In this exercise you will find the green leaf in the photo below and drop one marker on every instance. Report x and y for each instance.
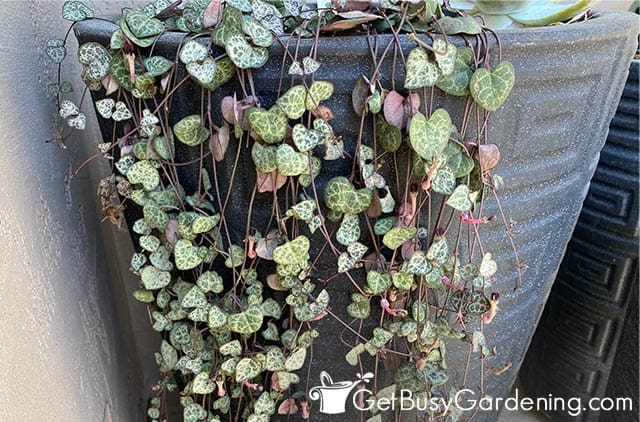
(459, 199)
(290, 162)
(169, 355)
(303, 210)
(319, 91)
(76, 11)
(195, 298)
(360, 307)
(295, 251)
(435, 374)
(203, 72)
(292, 102)
(457, 83)
(296, 360)
(418, 264)
(340, 196)
(95, 61)
(270, 125)
(438, 251)
(429, 137)
(243, 54)
(56, 50)
(210, 281)
(389, 137)
(305, 139)
(380, 337)
(402, 280)
(271, 308)
(202, 384)
(352, 355)
(217, 318)
(345, 262)
(444, 181)
(459, 25)
(204, 224)
(377, 282)
(420, 72)
(349, 230)
(275, 360)
(193, 412)
(246, 322)
(488, 267)
(186, 255)
(144, 296)
(264, 157)
(357, 250)
(192, 51)
(445, 55)
(235, 258)
(383, 225)
(394, 238)
(264, 406)
(155, 217)
(190, 130)
(152, 278)
(260, 35)
(157, 65)
(489, 88)
(247, 368)
(232, 348)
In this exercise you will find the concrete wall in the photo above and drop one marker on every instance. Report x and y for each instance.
(66, 342)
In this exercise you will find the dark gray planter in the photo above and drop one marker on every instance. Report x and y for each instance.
(588, 334)
(569, 79)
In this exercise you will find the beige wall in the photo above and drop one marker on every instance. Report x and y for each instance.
(66, 349)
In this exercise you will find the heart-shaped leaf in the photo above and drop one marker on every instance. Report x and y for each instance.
(389, 137)
(217, 318)
(202, 384)
(157, 65)
(56, 50)
(246, 322)
(459, 25)
(145, 173)
(444, 181)
(397, 236)
(243, 54)
(140, 28)
(105, 107)
(445, 55)
(263, 407)
(190, 130)
(290, 162)
(95, 60)
(152, 278)
(260, 35)
(305, 139)
(488, 267)
(402, 280)
(340, 196)
(310, 65)
(294, 251)
(293, 102)
(349, 230)
(264, 157)
(149, 243)
(377, 282)
(420, 72)
(429, 137)
(295, 361)
(275, 360)
(210, 281)
(457, 83)
(76, 11)
(203, 72)
(192, 51)
(268, 15)
(270, 125)
(357, 250)
(438, 251)
(489, 88)
(360, 307)
(121, 113)
(160, 258)
(186, 255)
(225, 70)
(459, 199)
(345, 262)
(319, 91)
(195, 298)
(418, 264)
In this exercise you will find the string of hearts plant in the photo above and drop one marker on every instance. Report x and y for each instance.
(238, 312)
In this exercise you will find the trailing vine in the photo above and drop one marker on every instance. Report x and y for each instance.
(238, 299)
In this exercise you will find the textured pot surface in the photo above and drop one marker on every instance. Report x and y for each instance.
(569, 79)
(582, 337)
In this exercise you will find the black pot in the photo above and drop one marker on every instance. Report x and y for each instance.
(569, 79)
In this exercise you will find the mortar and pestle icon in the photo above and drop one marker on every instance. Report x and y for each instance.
(333, 396)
